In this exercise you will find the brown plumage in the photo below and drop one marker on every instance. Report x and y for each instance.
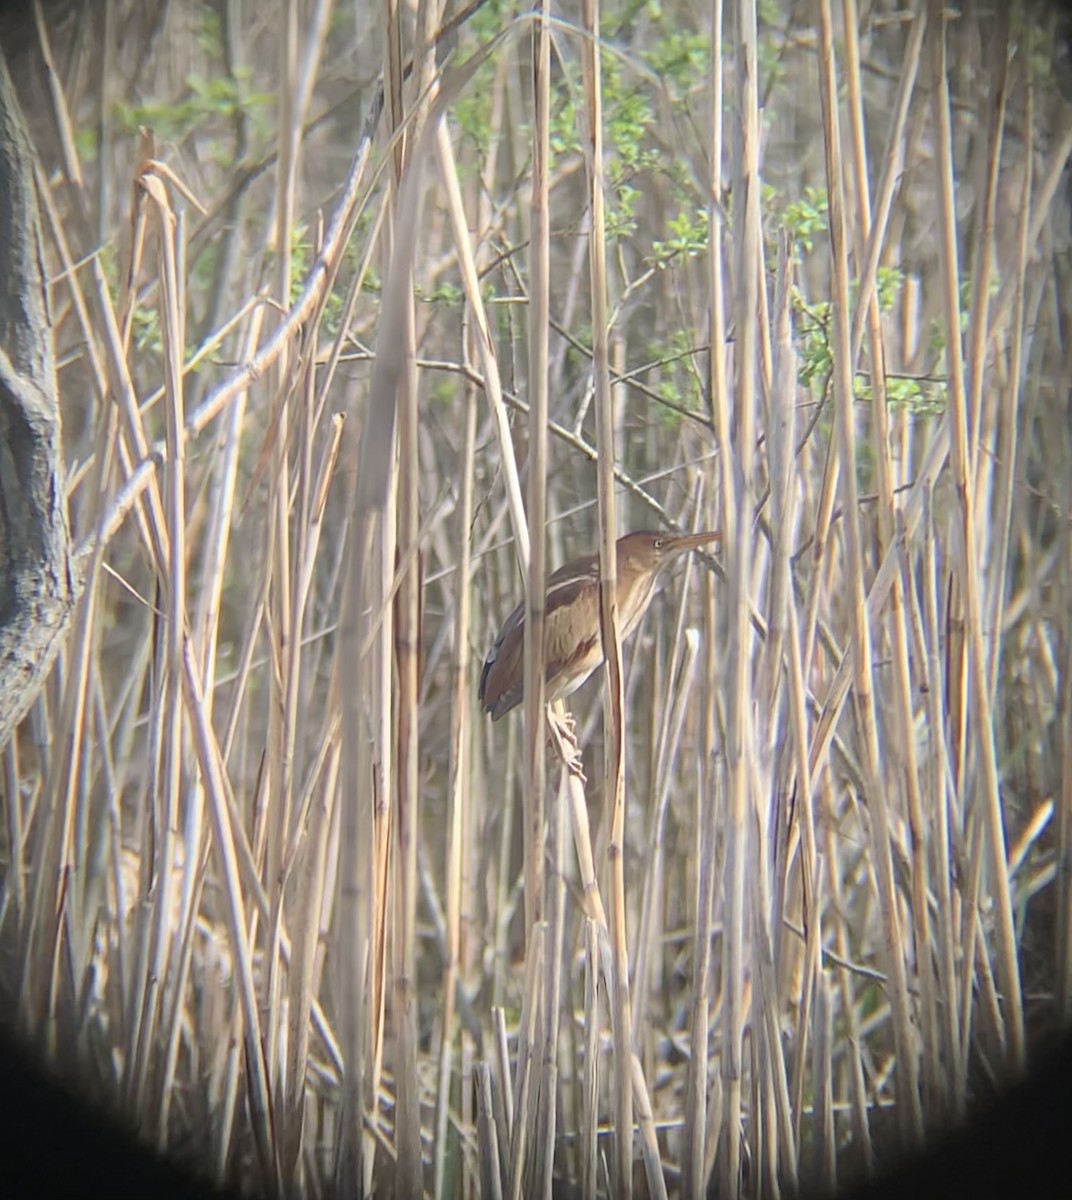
(572, 645)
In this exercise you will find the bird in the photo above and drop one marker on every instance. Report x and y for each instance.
(572, 644)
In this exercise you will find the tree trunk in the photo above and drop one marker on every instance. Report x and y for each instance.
(36, 581)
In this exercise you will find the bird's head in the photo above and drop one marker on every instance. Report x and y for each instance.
(648, 550)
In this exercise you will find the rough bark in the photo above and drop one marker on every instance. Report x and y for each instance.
(36, 582)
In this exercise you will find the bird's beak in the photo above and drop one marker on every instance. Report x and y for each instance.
(692, 541)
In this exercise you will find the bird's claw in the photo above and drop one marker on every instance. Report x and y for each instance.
(575, 766)
(564, 732)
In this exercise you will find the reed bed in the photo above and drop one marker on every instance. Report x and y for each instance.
(384, 313)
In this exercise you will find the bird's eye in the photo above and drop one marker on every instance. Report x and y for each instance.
(660, 543)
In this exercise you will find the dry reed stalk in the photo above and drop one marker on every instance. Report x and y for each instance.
(675, 709)
(171, 241)
(858, 1092)
(56, 848)
(941, 815)
(227, 863)
(930, 468)
(781, 440)
(908, 1107)
(361, 873)
(493, 393)
(373, 526)
(1010, 408)
(589, 1108)
(591, 899)
(305, 922)
(649, 1142)
(536, 499)
(877, 236)
(544, 1148)
(775, 1150)
(504, 1097)
(613, 716)
(968, 561)
(281, 635)
(526, 1079)
(492, 380)
(311, 297)
(896, 623)
(695, 1167)
(738, 488)
(490, 1179)
(983, 264)
(775, 1147)
(158, 1005)
(59, 850)
(283, 642)
(544, 898)
(1044, 198)
(409, 1177)
(825, 1153)
(459, 803)
(694, 1152)
(798, 979)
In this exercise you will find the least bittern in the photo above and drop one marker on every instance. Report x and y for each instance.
(572, 645)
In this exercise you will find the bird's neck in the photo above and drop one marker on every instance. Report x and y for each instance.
(634, 602)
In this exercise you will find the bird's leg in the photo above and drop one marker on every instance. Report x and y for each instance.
(563, 733)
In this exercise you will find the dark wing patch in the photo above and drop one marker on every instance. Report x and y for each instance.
(565, 587)
(567, 583)
(572, 607)
(503, 662)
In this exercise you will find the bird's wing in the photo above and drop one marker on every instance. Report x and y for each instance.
(502, 679)
(572, 606)
(502, 664)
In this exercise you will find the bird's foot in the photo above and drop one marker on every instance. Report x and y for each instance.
(563, 731)
(575, 766)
